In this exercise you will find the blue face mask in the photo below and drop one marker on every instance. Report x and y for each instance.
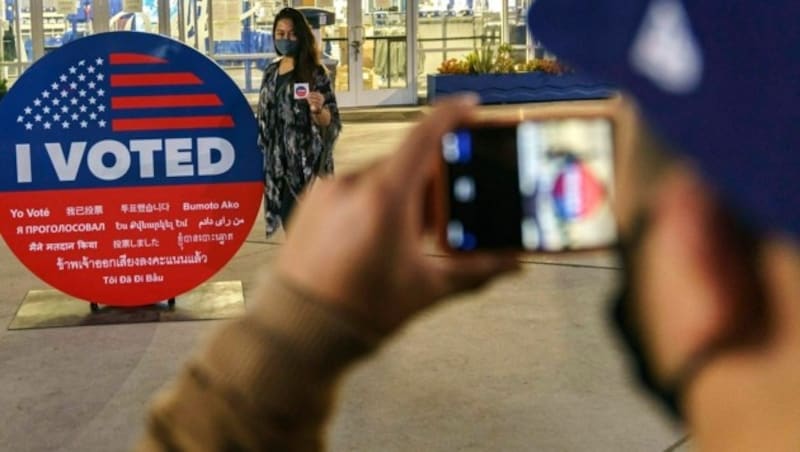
(286, 46)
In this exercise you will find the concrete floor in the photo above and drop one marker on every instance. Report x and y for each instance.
(528, 364)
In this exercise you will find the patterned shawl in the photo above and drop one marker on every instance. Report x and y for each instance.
(295, 149)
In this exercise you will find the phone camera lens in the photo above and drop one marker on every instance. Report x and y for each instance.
(455, 234)
(450, 148)
(464, 189)
(456, 147)
(458, 238)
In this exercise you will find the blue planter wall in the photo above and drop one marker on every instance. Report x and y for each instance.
(520, 87)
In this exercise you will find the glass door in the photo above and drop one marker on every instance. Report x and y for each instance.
(371, 46)
(14, 53)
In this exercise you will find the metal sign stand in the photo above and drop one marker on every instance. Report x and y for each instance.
(51, 308)
(95, 307)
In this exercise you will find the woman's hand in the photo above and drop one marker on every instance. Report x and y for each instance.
(315, 101)
(319, 114)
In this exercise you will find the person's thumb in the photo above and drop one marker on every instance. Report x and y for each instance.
(456, 274)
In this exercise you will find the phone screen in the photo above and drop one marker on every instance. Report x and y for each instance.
(535, 185)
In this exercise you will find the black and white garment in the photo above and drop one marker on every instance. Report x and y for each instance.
(296, 150)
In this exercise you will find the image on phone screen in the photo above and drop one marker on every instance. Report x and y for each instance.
(535, 185)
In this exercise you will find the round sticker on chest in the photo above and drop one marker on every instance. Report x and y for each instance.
(300, 90)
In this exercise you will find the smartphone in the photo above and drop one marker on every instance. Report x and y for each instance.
(543, 184)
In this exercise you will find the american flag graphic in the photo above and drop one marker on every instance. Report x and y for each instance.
(124, 92)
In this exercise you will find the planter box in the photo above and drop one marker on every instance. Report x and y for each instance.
(519, 88)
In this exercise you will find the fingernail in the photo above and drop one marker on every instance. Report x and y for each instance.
(469, 99)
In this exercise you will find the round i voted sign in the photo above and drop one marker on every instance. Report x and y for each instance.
(129, 171)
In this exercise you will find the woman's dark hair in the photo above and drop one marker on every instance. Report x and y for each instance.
(307, 58)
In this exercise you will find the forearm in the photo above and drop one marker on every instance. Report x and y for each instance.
(323, 118)
(264, 382)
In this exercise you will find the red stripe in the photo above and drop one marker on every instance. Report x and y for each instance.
(134, 58)
(178, 100)
(157, 79)
(172, 123)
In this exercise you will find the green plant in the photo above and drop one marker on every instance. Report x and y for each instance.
(453, 66)
(504, 62)
(553, 67)
(481, 61)
(499, 60)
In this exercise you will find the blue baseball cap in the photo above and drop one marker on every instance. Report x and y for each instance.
(719, 80)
